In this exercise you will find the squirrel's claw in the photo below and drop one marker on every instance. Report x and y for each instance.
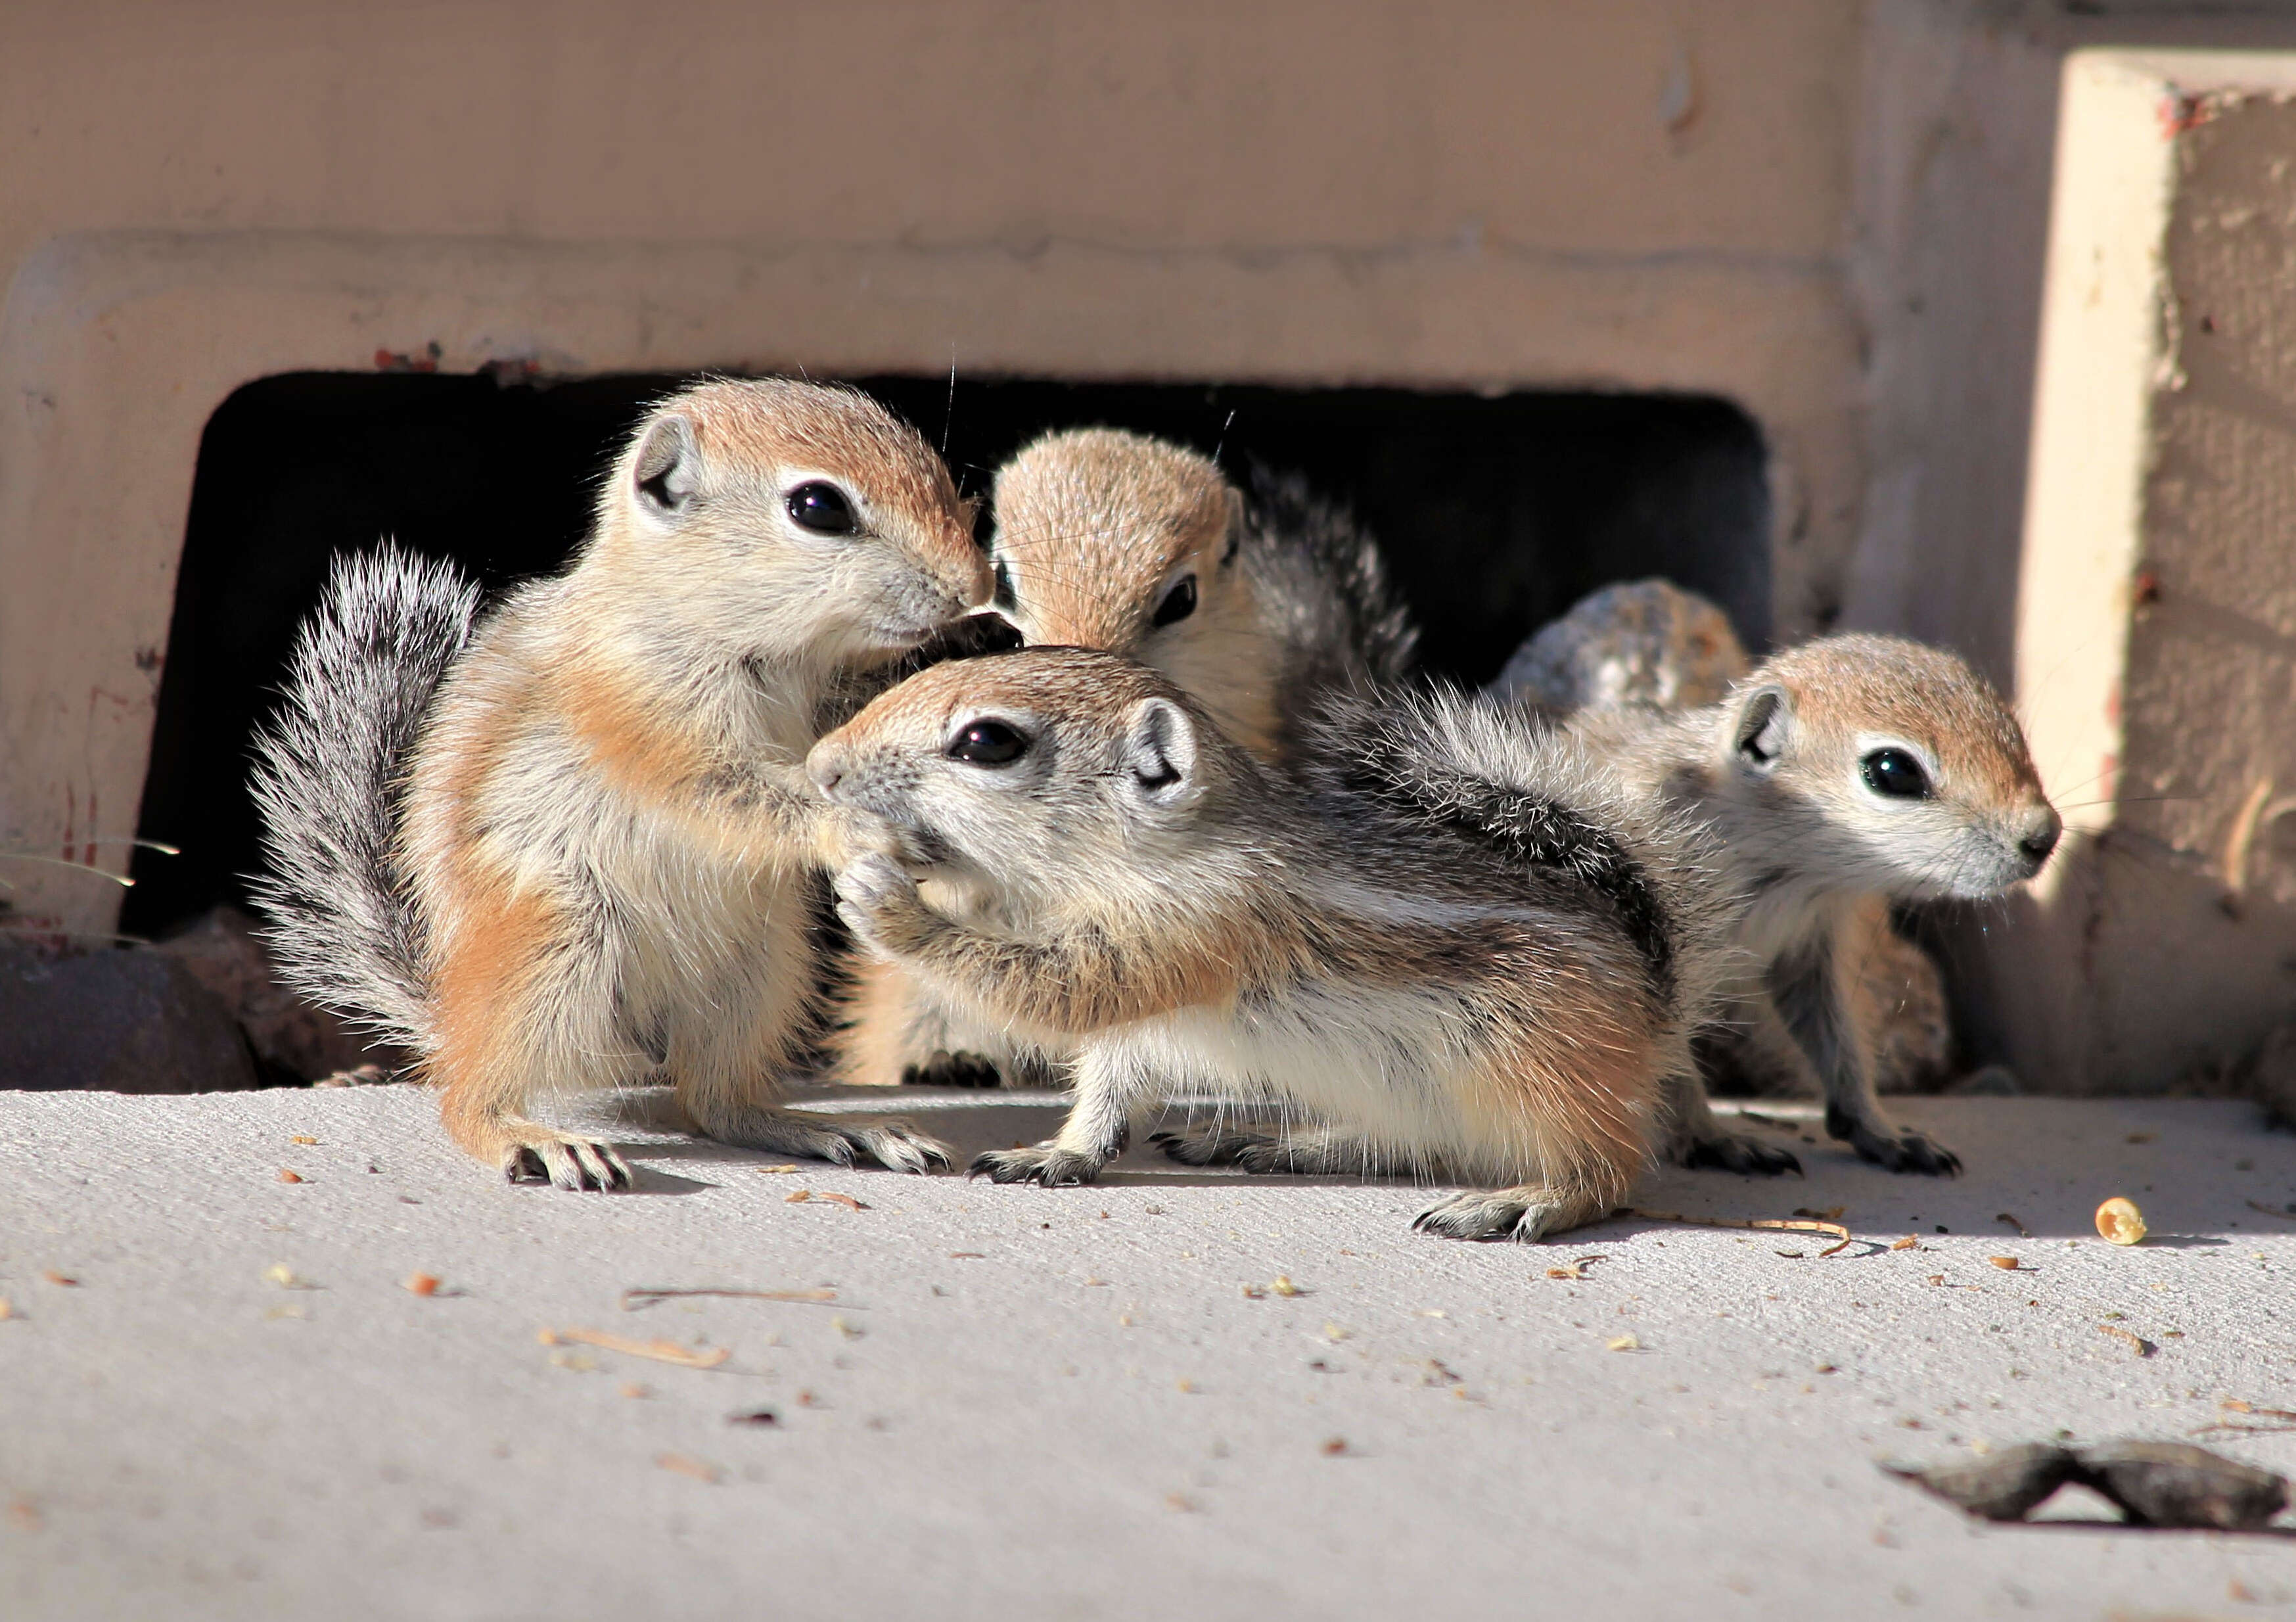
(1042, 1164)
(568, 1162)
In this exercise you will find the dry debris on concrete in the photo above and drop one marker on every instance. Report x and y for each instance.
(1095, 1402)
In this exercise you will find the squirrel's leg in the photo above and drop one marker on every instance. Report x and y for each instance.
(891, 1031)
(1065, 984)
(1811, 993)
(524, 1004)
(1901, 1003)
(1112, 1084)
(1587, 1186)
(1697, 1140)
(727, 1062)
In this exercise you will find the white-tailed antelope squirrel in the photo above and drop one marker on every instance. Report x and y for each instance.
(1498, 991)
(1652, 642)
(588, 859)
(1131, 544)
(1840, 776)
(1634, 641)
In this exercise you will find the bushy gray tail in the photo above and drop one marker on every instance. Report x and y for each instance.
(1313, 558)
(329, 776)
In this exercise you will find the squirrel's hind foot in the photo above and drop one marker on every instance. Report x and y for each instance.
(1263, 1153)
(566, 1161)
(1311, 1152)
(1209, 1145)
(944, 1069)
(840, 1140)
(1893, 1148)
(1526, 1214)
(1741, 1152)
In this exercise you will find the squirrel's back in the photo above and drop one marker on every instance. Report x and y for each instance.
(1515, 787)
(1323, 589)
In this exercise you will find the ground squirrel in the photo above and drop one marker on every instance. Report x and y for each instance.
(592, 862)
(1839, 776)
(1486, 975)
(1650, 641)
(1634, 641)
(1118, 540)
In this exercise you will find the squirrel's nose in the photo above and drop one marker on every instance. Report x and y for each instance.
(2040, 834)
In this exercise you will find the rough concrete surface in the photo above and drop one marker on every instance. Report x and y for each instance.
(1032, 1404)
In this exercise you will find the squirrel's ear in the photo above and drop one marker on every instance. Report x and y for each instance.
(668, 466)
(1236, 519)
(1758, 730)
(1159, 751)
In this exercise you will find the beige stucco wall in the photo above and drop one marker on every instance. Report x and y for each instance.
(1182, 126)
(2018, 169)
(2158, 609)
(1619, 192)
(1839, 216)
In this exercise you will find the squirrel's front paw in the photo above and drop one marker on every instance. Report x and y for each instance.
(1045, 1163)
(869, 889)
(843, 836)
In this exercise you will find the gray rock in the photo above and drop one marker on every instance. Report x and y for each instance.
(1990, 1081)
(2156, 1484)
(224, 954)
(2174, 1483)
(2003, 1485)
(115, 1021)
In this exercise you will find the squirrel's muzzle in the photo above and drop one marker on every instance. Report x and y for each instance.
(2038, 835)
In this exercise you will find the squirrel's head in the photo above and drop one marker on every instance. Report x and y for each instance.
(1113, 540)
(793, 519)
(1890, 765)
(1042, 771)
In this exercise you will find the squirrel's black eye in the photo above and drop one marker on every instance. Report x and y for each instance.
(988, 743)
(822, 509)
(1178, 603)
(1894, 772)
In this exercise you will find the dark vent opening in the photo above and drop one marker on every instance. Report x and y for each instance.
(1496, 513)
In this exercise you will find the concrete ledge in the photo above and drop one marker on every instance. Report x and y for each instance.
(1065, 1404)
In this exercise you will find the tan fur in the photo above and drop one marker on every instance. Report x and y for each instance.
(1093, 527)
(1816, 853)
(1167, 909)
(606, 834)
(648, 757)
(1650, 643)
(482, 989)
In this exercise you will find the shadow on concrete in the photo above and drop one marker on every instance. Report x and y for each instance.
(2035, 1170)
